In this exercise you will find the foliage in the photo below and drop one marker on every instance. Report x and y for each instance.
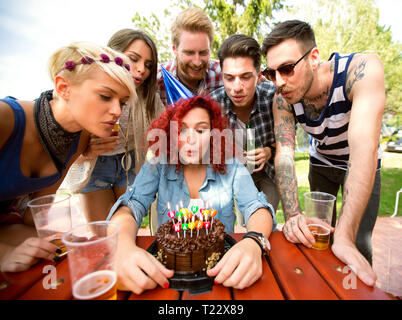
(340, 25)
(353, 26)
(158, 32)
(250, 17)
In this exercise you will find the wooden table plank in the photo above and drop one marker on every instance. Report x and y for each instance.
(158, 293)
(345, 284)
(62, 291)
(298, 278)
(265, 288)
(12, 285)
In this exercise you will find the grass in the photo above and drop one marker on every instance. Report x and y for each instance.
(391, 177)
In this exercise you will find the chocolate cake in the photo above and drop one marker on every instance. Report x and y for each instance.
(188, 254)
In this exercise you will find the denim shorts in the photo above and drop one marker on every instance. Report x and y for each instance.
(108, 173)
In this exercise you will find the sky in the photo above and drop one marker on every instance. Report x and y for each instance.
(31, 30)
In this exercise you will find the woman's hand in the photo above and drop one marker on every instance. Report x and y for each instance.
(28, 253)
(240, 267)
(138, 270)
(97, 146)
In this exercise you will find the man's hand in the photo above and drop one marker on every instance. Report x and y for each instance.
(240, 267)
(348, 254)
(296, 230)
(258, 157)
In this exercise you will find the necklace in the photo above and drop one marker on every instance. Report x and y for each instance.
(126, 160)
(56, 141)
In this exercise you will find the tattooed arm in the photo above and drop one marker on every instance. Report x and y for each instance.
(284, 160)
(365, 88)
(295, 228)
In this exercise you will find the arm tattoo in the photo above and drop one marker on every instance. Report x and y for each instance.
(283, 105)
(358, 74)
(285, 132)
(287, 184)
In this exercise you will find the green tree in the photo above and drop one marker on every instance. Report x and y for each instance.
(250, 17)
(353, 26)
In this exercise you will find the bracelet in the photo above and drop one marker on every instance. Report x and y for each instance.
(246, 236)
(258, 238)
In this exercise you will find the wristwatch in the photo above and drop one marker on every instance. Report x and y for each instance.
(261, 240)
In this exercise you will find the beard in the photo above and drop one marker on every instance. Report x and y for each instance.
(185, 70)
(297, 94)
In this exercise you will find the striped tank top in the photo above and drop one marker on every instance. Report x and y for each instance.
(329, 133)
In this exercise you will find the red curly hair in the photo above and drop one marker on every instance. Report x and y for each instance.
(219, 147)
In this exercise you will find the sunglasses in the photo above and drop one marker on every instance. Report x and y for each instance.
(286, 70)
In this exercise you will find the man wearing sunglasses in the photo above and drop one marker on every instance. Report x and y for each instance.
(248, 103)
(340, 103)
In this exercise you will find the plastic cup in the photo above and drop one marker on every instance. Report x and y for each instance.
(91, 258)
(319, 208)
(52, 217)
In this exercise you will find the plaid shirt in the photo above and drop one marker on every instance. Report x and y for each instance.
(261, 117)
(212, 79)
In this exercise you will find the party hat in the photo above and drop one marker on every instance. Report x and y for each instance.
(175, 90)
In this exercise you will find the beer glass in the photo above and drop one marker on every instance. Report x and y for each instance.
(92, 248)
(52, 217)
(319, 207)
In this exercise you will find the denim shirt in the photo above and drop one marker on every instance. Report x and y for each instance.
(171, 187)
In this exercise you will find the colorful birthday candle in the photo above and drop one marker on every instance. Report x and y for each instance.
(184, 227)
(213, 213)
(194, 209)
(206, 225)
(199, 225)
(191, 226)
(177, 228)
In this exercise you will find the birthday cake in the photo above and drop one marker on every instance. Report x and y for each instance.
(193, 247)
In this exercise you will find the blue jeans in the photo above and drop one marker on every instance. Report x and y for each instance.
(329, 180)
(108, 173)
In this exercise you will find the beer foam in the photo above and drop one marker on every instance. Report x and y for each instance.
(326, 230)
(103, 279)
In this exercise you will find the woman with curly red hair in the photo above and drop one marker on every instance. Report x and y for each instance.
(194, 163)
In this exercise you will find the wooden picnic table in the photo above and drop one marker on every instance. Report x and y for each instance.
(291, 272)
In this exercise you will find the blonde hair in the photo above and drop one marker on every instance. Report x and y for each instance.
(193, 20)
(78, 50)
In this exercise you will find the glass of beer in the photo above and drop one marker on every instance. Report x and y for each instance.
(321, 236)
(115, 130)
(52, 217)
(319, 207)
(92, 248)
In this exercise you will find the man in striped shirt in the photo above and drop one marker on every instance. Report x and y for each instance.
(340, 103)
(248, 106)
(192, 37)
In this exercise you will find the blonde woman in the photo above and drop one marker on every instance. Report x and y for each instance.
(119, 158)
(40, 139)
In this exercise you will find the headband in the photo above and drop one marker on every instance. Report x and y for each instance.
(70, 65)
